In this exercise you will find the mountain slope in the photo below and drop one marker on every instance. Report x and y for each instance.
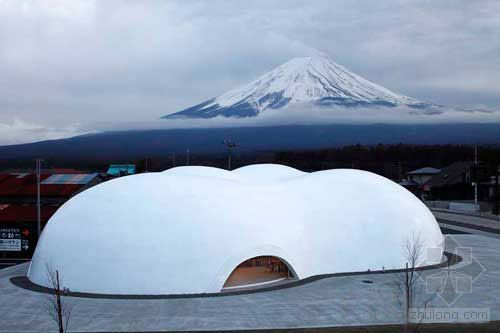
(316, 80)
(127, 146)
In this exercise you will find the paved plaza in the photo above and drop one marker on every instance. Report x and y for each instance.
(335, 301)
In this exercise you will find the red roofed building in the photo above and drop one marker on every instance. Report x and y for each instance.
(22, 213)
(54, 188)
(18, 210)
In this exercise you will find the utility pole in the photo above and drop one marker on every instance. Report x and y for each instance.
(475, 175)
(230, 144)
(400, 171)
(187, 156)
(173, 160)
(38, 208)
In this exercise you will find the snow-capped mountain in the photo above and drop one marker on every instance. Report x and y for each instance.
(316, 80)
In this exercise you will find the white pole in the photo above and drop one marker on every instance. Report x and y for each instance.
(38, 209)
(475, 174)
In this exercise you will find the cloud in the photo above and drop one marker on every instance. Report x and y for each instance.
(308, 114)
(65, 63)
(19, 131)
(479, 80)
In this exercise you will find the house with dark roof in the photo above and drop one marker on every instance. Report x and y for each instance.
(422, 175)
(454, 182)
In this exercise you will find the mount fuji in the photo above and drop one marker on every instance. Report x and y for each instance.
(315, 80)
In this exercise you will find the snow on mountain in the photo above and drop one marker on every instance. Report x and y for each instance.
(315, 79)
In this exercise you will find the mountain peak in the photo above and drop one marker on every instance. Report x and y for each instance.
(313, 79)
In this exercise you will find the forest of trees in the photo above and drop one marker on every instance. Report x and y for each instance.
(391, 161)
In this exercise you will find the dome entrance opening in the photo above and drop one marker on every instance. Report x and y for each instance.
(259, 272)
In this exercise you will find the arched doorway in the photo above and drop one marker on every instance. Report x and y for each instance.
(258, 272)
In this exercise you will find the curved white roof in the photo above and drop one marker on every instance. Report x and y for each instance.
(185, 230)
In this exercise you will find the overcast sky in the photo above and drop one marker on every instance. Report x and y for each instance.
(69, 66)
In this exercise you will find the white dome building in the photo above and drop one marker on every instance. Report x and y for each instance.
(185, 230)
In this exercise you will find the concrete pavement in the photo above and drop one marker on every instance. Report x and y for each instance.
(336, 301)
(477, 222)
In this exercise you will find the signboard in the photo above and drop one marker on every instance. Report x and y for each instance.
(11, 239)
(10, 244)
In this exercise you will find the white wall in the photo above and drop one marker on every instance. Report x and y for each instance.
(186, 229)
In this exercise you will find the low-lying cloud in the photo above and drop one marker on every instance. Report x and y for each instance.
(18, 131)
(295, 115)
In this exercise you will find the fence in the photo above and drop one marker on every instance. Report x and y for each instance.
(461, 207)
